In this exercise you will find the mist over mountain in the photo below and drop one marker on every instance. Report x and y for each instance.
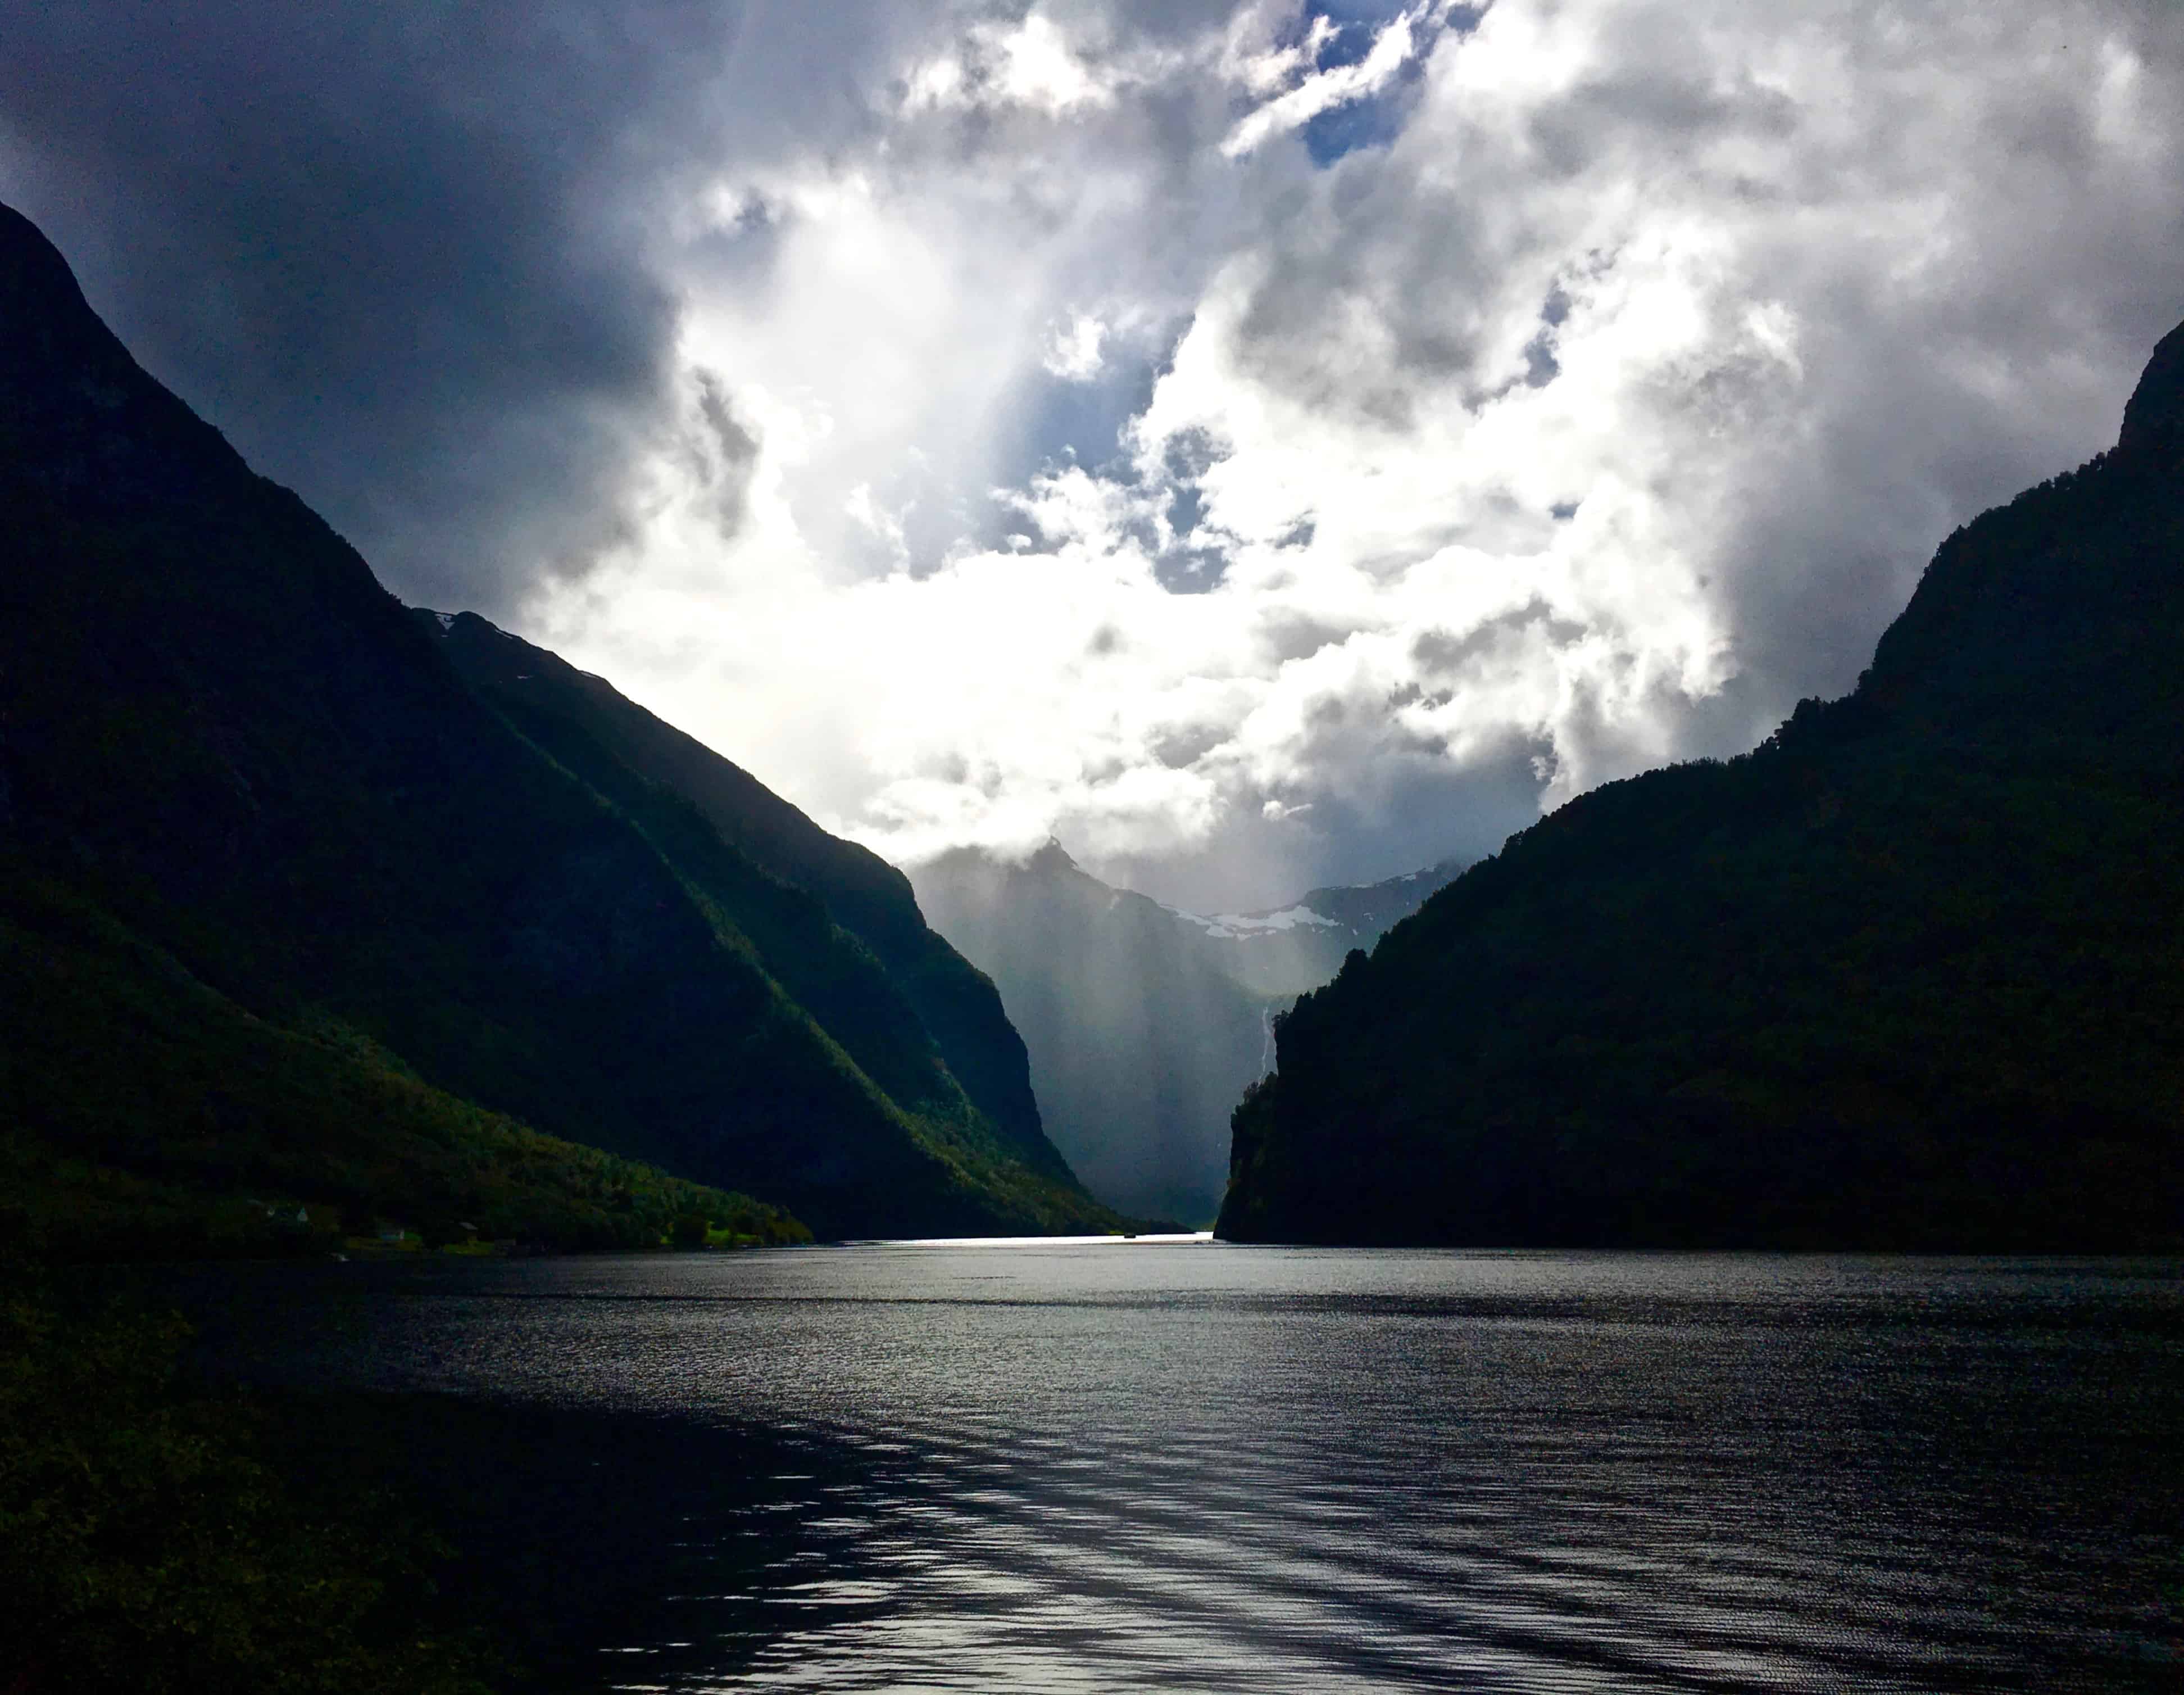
(1908, 975)
(250, 775)
(1144, 1022)
(1285, 951)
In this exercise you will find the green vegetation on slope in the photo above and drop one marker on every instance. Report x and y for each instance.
(616, 741)
(825, 967)
(831, 984)
(144, 1115)
(1911, 975)
(219, 729)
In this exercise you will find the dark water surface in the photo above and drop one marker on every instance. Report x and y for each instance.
(1116, 1467)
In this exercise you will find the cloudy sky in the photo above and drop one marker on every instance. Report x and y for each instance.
(1263, 445)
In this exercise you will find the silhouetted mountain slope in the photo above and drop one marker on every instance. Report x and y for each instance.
(1911, 974)
(600, 733)
(218, 726)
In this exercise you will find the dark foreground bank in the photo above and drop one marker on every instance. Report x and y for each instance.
(164, 1528)
(161, 1534)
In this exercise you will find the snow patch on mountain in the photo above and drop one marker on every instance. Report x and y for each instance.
(1231, 926)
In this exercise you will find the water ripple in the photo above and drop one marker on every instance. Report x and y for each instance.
(1093, 1467)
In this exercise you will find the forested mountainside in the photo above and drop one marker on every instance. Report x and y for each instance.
(220, 737)
(1144, 1022)
(148, 1115)
(1909, 975)
(620, 749)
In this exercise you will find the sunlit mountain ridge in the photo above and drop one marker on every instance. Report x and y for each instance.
(259, 779)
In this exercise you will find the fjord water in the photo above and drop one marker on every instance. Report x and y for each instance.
(1131, 1466)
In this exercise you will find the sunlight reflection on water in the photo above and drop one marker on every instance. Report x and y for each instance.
(1095, 1466)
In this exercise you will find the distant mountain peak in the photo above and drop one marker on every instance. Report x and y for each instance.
(1227, 924)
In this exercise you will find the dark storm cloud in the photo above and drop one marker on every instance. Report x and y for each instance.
(400, 254)
(726, 454)
(1440, 655)
(1685, 329)
(423, 263)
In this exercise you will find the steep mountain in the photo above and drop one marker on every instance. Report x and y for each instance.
(615, 744)
(1286, 950)
(1143, 1022)
(1138, 1040)
(219, 732)
(1909, 975)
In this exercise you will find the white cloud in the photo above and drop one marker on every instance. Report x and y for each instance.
(1073, 354)
(1039, 68)
(1608, 407)
(1032, 63)
(1319, 91)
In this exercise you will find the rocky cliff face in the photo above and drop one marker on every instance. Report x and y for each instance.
(1908, 976)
